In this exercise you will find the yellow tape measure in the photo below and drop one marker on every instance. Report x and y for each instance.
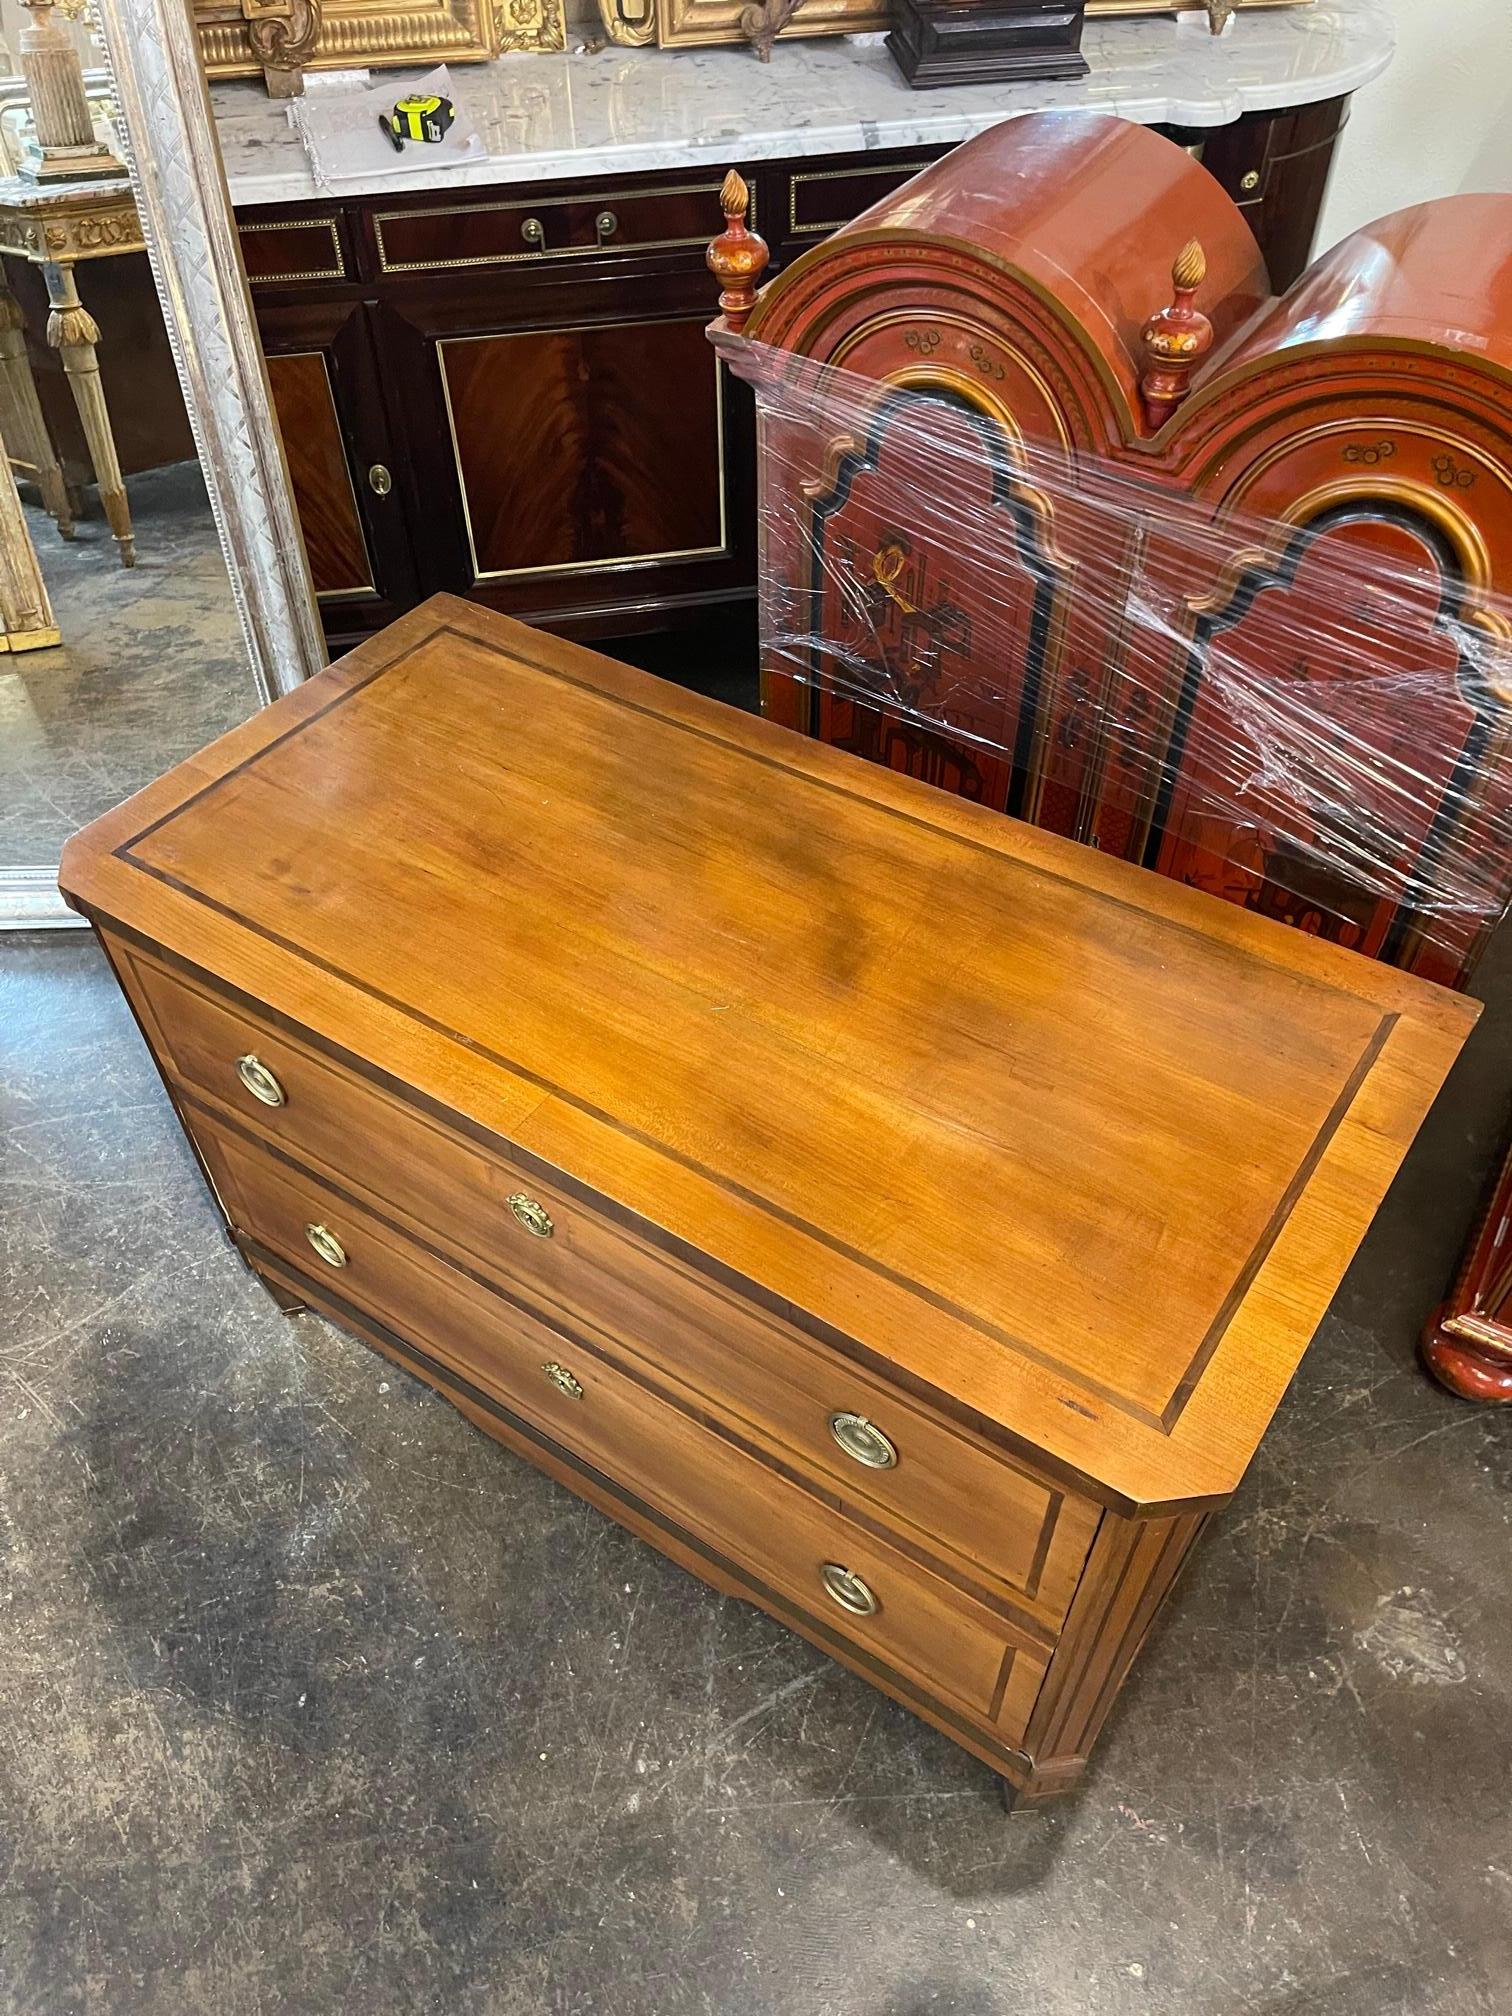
(419, 118)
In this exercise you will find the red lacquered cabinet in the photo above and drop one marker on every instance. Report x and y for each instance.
(934, 600)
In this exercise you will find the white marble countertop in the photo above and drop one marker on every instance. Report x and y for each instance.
(625, 111)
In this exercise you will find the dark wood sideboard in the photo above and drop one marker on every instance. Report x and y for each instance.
(507, 392)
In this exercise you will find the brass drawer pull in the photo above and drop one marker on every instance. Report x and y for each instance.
(380, 482)
(863, 1441)
(848, 1590)
(605, 224)
(563, 1380)
(327, 1245)
(534, 1217)
(259, 1080)
(533, 231)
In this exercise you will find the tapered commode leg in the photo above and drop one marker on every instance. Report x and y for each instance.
(22, 417)
(73, 333)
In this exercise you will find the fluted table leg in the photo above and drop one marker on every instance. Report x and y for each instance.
(73, 333)
(26, 616)
(23, 419)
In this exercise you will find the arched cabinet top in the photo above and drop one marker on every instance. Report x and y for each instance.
(1085, 211)
(1438, 275)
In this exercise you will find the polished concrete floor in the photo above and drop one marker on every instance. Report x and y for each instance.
(150, 669)
(312, 1699)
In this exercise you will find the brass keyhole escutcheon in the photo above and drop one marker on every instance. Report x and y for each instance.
(1250, 179)
(259, 1080)
(863, 1441)
(327, 1245)
(534, 1217)
(848, 1590)
(563, 1380)
(380, 482)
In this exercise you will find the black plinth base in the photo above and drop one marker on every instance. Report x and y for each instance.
(986, 41)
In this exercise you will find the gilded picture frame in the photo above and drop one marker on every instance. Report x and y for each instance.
(677, 24)
(247, 38)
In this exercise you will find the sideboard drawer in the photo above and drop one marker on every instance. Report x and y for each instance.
(544, 229)
(865, 1440)
(923, 1627)
(284, 250)
(820, 200)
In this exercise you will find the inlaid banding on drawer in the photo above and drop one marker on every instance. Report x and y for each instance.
(1012, 1529)
(922, 1625)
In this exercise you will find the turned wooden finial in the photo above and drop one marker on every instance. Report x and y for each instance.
(737, 257)
(1175, 339)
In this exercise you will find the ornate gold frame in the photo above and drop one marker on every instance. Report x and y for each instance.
(675, 24)
(245, 38)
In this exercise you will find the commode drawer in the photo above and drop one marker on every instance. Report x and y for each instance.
(844, 1576)
(809, 1405)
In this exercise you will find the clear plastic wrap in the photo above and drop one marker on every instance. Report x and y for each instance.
(1309, 718)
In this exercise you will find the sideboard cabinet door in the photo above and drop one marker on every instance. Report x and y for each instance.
(317, 340)
(593, 466)
(580, 456)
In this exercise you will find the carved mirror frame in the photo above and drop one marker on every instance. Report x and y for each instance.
(185, 211)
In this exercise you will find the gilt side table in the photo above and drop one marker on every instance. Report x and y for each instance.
(56, 226)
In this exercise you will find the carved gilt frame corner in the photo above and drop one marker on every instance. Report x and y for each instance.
(185, 212)
(341, 33)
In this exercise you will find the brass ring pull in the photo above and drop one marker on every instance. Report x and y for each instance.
(863, 1441)
(533, 231)
(380, 482)
(605, 224)
(534, 1217)
(848, 1590)
(563, 1380)
(259, 1080)
(327, 1245)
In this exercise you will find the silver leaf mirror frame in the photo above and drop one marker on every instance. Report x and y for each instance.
(185, 210)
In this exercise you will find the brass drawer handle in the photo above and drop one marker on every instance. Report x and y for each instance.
(327, 1245)
(259, 1080)
(863, 1441)
(848, 1590)
(563, 1380)
(534, 1217)
(605, 224)
(533, 231)
(380, 482)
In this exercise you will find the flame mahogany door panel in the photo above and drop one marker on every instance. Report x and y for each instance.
(346, 474)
